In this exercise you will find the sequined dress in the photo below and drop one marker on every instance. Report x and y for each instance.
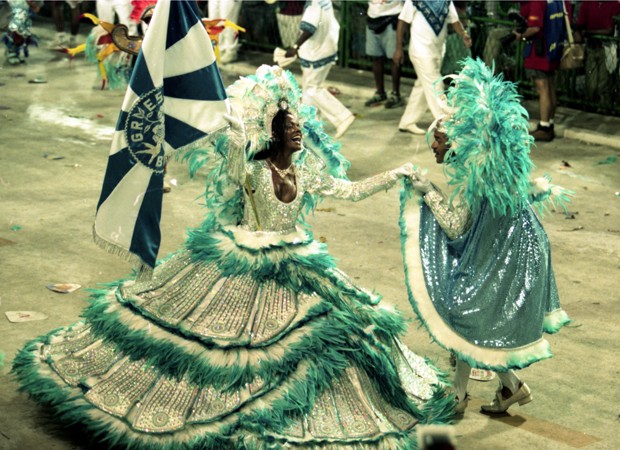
(482, 284)
(246, 338)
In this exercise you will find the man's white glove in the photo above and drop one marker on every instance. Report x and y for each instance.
(406, 170)
(421, 184)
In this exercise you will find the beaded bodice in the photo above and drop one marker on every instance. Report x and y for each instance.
(273, 214)
(277, 216)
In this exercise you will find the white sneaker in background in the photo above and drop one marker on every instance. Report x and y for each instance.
(413, 129)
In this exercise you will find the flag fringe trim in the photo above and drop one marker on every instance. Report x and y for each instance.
(117, 250)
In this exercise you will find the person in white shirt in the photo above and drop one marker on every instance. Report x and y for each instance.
(106, 9)
(429, 29)
(317, 49)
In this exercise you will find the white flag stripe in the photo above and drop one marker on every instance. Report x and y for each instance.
(129, 100)
(115, 224)
(168, 149)
(196, 43)
(119, 142)
(193, 113)
(154, 44)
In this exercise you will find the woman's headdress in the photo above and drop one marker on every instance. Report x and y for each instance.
(490, 143)
(259, 97)
(255, 100)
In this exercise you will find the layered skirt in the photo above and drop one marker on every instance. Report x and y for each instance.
(242, 340)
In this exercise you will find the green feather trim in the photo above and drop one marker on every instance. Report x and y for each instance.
(545, 195)
(90, 49)
(71, 408)
(555, 320)
(295, 400)
(117, 71)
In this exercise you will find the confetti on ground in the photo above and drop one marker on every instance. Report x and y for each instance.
(24, 316)
(609, 160)
(52, 157)
(481, 375)
(63, 288)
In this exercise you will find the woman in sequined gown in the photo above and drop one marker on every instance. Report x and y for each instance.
(249, 337)
(488, 292)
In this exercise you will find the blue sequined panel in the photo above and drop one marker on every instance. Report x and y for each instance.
(494, 284)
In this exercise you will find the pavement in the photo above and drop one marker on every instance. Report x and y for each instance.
(55, 139)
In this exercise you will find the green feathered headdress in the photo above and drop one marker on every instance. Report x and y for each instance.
(490, 143)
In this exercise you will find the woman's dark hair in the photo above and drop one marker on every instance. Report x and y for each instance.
(278, 125)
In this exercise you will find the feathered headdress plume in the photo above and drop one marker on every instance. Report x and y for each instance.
(490, 143)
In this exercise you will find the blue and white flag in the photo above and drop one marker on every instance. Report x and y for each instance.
(175, 97)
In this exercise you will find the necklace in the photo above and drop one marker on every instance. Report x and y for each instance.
(282, 173)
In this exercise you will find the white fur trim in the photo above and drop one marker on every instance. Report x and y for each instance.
(438, 328)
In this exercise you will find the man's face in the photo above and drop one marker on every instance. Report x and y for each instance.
(440, 146)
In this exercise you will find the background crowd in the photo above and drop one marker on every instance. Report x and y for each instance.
(515, 38)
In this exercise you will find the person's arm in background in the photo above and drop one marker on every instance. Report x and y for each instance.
(309, 22)
(534, 22)
(404, 20)
(460, 30)
(303, 37)
(457, 26)
(399, 55)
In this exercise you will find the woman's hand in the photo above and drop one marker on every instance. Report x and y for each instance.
(406, 170)
(236, 124)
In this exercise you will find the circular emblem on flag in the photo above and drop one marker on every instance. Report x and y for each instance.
(144, 130)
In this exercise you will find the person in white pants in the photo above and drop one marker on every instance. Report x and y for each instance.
(317, 49)
(429, 29)
(107, 8)
(229, 42)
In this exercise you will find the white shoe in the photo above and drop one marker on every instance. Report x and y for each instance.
(344, 126)
(413, 129)
(501, 404)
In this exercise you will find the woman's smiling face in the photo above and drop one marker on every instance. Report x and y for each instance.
(292, 133)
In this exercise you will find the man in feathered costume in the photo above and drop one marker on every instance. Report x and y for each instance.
(489, 290)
